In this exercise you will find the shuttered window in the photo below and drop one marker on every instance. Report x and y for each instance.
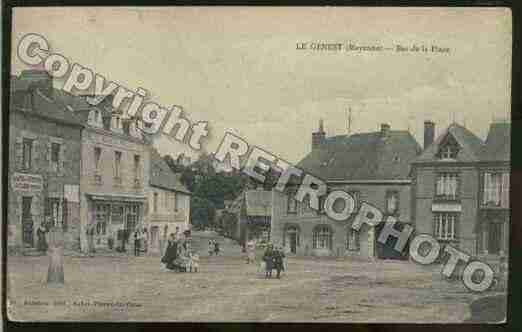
(495, 189)
(27, 153)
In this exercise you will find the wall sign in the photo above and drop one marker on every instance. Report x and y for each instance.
(27, 182)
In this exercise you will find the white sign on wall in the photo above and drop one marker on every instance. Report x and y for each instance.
(27, 182)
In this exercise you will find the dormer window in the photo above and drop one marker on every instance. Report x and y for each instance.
(448, 153)
(95, 119)
(449, 149)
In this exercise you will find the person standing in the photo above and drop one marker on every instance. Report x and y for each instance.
(163, 240)
(42, 241)
(210, 247)
(90, 239)
(194, 261)
(251, 251)
(268, 258)
(216, 247)
(171, 253)
(278, 261)
(137, 240)
(177, 234)
(145, 240)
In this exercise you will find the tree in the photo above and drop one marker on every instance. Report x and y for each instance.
(202, 212)
(229, 223)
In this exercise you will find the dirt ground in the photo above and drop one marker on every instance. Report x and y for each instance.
(227, 289)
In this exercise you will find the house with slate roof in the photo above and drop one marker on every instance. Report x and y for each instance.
(168, 203)
(44, 163)
(460, 190)
(493, 222)
(253, 211)
(373, 167)
(72, 164)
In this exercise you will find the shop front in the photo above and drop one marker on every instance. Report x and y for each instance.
(115, 218)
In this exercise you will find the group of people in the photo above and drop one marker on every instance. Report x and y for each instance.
(179, 255)
(274, 258)
(213, 247)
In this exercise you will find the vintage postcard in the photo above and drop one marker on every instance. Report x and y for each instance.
(253, 164)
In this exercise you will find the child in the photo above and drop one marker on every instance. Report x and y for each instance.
(194, 262)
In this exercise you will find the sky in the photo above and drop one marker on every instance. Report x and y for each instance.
(239, 68)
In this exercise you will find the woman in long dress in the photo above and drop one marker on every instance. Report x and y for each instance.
(251, 251)
(171, 253)
(268, 257)
(42, 242)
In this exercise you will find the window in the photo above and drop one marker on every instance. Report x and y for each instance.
(447, 185)
(116, 214)
(132, 213)
(102, 216)
(496, 189)
(155, 203)
(448, 152)
(392, 202)
(54, 212)
(449, 148)
(352, 240)
(322, 238)
(27, 153)
(117, 166)
(291, 204)
(306, 205)
(55, 156)
(445, 226)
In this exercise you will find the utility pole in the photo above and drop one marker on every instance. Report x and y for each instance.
(349, 121)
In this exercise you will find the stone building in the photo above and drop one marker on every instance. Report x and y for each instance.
(493, 215)
(44, 163)
(114, 176)
(461, 189)
(447, 187)
(374, 167)
(169, 203)
(253, 211)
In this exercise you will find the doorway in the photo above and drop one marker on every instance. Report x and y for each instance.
(292, 234)
(27, 222)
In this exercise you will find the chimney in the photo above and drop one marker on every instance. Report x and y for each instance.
(38, 78)
(429, 133)
(318, 137)
(385, 130)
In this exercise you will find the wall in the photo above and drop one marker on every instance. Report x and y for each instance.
(110, 142)
(306, 221)
(424, 193)
(165, 215)
(43, 132)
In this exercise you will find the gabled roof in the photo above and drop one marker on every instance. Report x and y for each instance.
(162, 176)
(471, 147)
(498, 143)
(363, 156)
(258, 203)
